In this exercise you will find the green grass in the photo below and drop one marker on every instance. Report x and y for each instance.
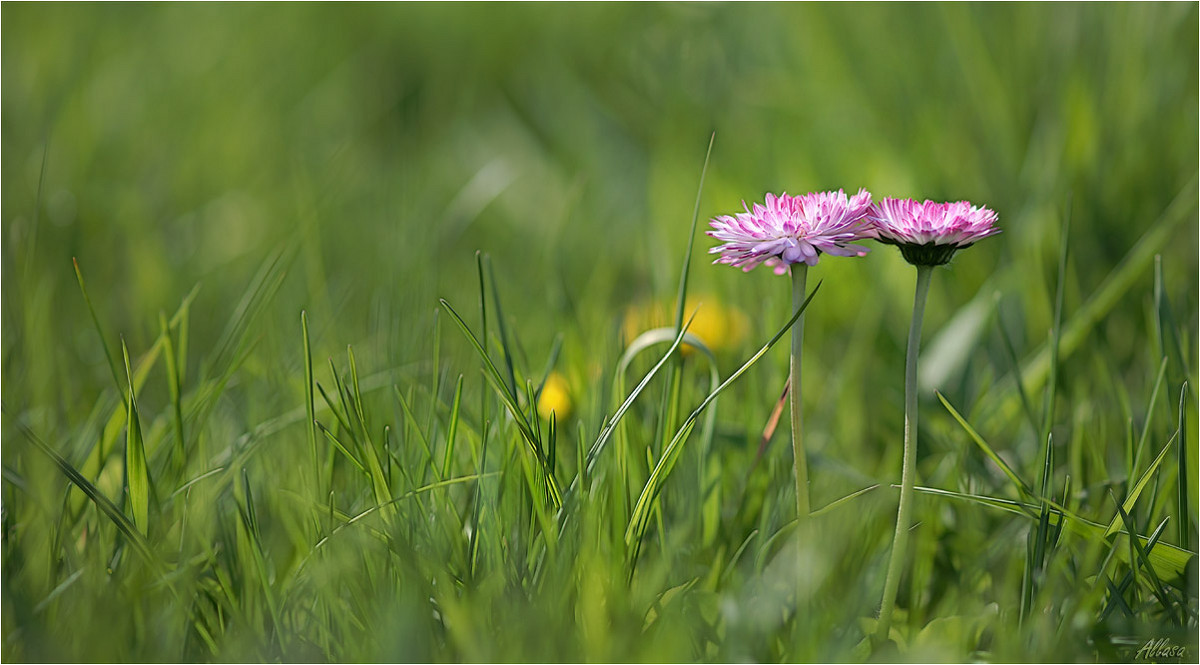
(284, 405)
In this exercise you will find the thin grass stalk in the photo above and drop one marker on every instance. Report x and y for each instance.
(907, 477)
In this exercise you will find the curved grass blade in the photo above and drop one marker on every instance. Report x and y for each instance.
(110, 510)
(498, 384)
(641, 511)
(1136, 491)
(605, 433)
(1024, 489)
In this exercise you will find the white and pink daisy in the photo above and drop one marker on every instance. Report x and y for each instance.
(928, 233)
(793, 229)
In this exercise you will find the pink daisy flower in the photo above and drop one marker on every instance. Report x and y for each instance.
(793, 229)
(929, 233)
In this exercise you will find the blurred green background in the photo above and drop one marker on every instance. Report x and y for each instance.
(180, 143)
(380, 146)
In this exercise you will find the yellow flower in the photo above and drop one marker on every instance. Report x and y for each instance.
(555, 398)
(719, 326)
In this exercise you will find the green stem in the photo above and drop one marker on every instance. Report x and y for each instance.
(799, 277)
(907, 478)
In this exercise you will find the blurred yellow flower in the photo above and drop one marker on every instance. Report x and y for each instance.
(555, 397)
(718, 325)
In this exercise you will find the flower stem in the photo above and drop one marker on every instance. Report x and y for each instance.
(907, 479)
(799, 277)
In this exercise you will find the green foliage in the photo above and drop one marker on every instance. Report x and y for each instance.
(376, 486)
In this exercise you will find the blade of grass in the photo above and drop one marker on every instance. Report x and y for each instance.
(1127, 580)
(337, 414)
(669, 412)
(1056, 331)
(1026, 405)
(452, 430)
(1139, 557)
(310, 407)
(1038, 538)
(552, 442)
(1022, 488)
(437, 369)
(93, 465)
(174, 389)
(341, 448)
(551, 360)
(502, 328)
(126, 526)
(1170, 563)
(136, 472)
(412, 421)
(687, 257)
(249, 523)
(838, 503)
(493, 375)
(112, 365)
(1182, 503)
(1168, 336)
(1141, 443)
(642, 342)
(641, 511)
(1136, 491)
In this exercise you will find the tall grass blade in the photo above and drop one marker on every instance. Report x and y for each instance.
(645, 503)
(126, 526)
(136, 472)
(639, 344)
(1040, 537)
(1026, 405)
(508, 398)
(1182, 514)
(687, 257)
(1142, 559)
(1022, 488)
(112, 365)
(310, 407)
(174, 388)
(412, 421)
(501, 327)
(1056, 331)
(452, 430)
(1136, 491)
(249, 523)
(341, 448)
(1168, 331)
(1141, 442)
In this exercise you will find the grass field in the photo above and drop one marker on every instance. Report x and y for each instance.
(245, 426)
